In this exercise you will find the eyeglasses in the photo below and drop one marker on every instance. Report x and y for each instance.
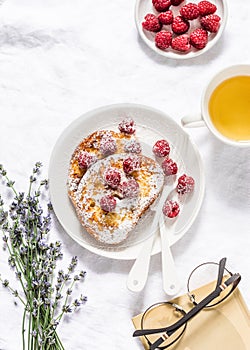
(173, 319)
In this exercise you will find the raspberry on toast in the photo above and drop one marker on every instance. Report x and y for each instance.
(93, 146)
(113, 227)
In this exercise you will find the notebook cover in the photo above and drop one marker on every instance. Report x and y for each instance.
(226, 325)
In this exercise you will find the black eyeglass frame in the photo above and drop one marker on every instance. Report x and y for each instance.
(219, 279)
(177, 308)
(233, 280)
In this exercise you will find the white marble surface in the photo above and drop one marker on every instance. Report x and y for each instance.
(59, 59)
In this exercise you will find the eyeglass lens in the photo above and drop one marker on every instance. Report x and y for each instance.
(159, 316)
(203, 275)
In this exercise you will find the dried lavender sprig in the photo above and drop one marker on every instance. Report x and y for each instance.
(67, 308)
(6, 284)
(62, 280)
(32, 257)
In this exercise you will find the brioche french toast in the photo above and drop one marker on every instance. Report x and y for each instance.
(124, 200)
(96, 146)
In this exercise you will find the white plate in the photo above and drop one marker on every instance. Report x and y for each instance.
(151, 125)
(143, 7)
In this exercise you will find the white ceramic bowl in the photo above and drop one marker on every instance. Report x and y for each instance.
(143, 7)
(151, 125)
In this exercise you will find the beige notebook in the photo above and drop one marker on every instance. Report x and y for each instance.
(225, 326)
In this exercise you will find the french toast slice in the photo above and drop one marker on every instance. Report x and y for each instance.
(92, 144)
(113, 227)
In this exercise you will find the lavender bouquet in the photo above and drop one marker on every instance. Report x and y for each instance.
(45, 291)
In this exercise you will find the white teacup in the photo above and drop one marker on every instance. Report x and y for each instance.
(225, 106)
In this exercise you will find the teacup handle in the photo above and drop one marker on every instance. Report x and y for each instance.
(192, 121)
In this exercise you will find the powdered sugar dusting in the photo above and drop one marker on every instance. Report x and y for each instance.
(114, 227)
(92, 145)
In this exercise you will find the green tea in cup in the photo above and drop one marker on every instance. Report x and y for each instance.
(225, 106)
(229, 108)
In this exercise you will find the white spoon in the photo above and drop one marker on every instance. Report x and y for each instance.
(138, 274)
(171, 284)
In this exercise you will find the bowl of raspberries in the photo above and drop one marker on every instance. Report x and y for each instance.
(180, 29)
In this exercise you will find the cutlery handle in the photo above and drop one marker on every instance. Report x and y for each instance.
(138, 275)
(171, 284)
(139, 272)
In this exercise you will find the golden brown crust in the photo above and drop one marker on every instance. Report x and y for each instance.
(114, 227)
(91, 144)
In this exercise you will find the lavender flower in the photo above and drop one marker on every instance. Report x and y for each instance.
(25, 227)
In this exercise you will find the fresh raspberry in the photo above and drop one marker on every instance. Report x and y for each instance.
(163, 39)
(181, 43)
(190, 11)
(169, 167)
(161, 5)
(180, 25)
(86, 159)
(129, 189)
(112, 177)
(185, 184)
(127, 126)
(199, 38)
(132, 146)
(108, 145)
(206, 8)
(166, 17)
(108, 203)
(151, 23)
(161, 148)
(210, 23)
(171, 209)
(176, 2)
(131, 164)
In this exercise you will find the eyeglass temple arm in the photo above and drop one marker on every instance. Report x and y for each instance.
(221, 269)
(157, 343)
(207, 300)
(235, 279)
(171, 329)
